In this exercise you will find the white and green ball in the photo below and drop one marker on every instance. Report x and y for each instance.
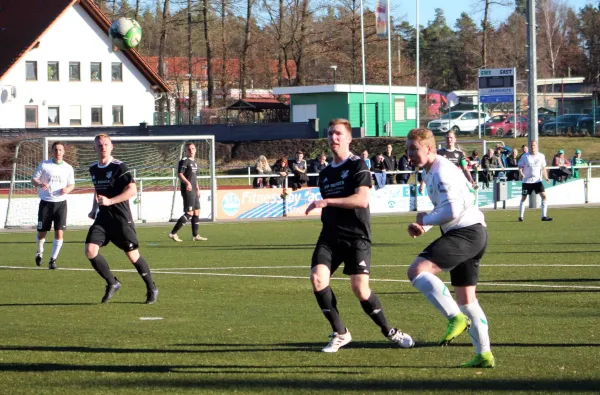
(125, 33)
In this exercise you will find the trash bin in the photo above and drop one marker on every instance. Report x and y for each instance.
(500, 190)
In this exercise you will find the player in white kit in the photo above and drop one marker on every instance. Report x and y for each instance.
(532, 167)
(459, 250)
(54, 179)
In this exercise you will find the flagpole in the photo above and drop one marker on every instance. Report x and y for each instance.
(389, 63)
(364, 78)
(417, 56)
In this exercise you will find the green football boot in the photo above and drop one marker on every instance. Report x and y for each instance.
(483, 360)
(456, 326)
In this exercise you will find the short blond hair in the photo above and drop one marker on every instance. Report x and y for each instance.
(102, 136)
(422, 135)
(340, 121)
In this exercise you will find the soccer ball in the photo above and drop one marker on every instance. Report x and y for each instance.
(125, 33)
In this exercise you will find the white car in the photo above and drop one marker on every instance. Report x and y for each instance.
(459, 121)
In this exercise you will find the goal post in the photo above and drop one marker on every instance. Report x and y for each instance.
(151, 160)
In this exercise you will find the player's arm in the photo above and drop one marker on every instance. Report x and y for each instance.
(129, 191)
(466, 172)
(92, 213)
(360, 199)
(70, 184)
(545, 174)
(36, 179)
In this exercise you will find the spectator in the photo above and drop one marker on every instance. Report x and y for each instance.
(299, 168)
(365, 156)
(391, 164)
(577, 161)
(404, 165)
(513, 161)
(503, 152)
(475, 163)
(524, 150)
(380, 169)
(280, 167)
(489, 163)
(315, 167)
(261, 167)
(563, 172)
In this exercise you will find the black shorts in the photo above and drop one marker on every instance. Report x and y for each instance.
(52, 212)
(355, 253)
(191, 201)
(120, 231)
(536, 187)
(459, 251)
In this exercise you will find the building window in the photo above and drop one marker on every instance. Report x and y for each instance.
(53, 115)
(117, 115)
(96, 71)
(117, 71)
(399, 110)
(97, 115)
(75, 116)
(31, 116)
(52, 71)
(31, 71)
(74, 71)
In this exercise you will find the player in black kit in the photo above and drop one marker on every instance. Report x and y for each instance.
(456, 156)
(346, 237)
(187, 171)
(114, 186)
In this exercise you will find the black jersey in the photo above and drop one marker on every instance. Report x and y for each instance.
(110, 181)
(342, 181)
(189, 168)
(455, 156)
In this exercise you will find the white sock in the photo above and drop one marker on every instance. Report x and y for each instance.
(56, 248)
(437, 293)
(544, 209)
(522, 209)
(479, 326)
(40, 245)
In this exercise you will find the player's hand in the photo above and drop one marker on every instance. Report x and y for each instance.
(421, 188)
(198, 192)
(420, 217)
(92, 214)
(43, 186)
(415, 230)
(104, 201)
(63, 191)
(188, 187)
(316, 204)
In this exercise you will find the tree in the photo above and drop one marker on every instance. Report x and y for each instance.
(589, 30)
(467, 64)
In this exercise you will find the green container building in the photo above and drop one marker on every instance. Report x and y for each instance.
(325, 102)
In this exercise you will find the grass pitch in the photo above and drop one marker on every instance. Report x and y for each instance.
(237, 314)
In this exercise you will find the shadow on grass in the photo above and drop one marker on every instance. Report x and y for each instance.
(45, 304)
(544, 280)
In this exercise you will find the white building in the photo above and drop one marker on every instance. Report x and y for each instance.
(58, 69)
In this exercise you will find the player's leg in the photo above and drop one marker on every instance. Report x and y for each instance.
(184, 219)
(322, 267)
(196, 220)
(43, 226)
(525, 192)
(357, 264)
(96, 238)
(479, 330)
(143, 270)
(60, 224)
(542, 193)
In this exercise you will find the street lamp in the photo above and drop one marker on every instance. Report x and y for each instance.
(334, 68)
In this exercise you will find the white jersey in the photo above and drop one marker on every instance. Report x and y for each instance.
(57, 176)
(532, 166)
(452, 196)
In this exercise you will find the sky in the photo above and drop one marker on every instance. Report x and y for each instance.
(406, 10)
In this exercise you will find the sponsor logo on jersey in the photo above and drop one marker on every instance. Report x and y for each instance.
(344, 174)
(109, 174)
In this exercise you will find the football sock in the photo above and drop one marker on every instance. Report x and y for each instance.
(40, 245)
(544, 209)
(101, 266)
(373, 308)
(182, 221)
(437, 293)
(142, 268)
(479, 326)
(521, 209)
(328, 304)
(56, 246)
(195, 225)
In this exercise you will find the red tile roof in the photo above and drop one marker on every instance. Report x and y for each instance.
(23, 22)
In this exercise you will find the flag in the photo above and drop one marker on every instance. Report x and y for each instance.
(381, 18)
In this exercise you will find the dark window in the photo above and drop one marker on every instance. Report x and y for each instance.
(74, 71)
(96, 115)
(52, 71)
(96, 71)
(117, 115)
(117, 71)
(31, 71)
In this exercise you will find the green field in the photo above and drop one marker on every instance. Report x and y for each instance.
(238, 314)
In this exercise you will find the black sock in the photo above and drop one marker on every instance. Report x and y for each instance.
(182, 221)
(99, 263)
(328, 304)
(373, 308)
(195, 225)
(142, 268)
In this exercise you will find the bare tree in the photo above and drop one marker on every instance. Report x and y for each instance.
(554, 30)
(224, 51)
(486, 25)
(161, 54)
(207, 40)
(246, 47)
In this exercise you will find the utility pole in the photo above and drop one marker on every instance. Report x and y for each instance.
(532, 86)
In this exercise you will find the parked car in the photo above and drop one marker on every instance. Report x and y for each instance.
(544, 119)
(459, 121)
(561, 125)
(504, 125)
(584, 124)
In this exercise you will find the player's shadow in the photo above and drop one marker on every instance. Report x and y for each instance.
(539, 252)
(238, 247)
(44, 304)
(29, 242)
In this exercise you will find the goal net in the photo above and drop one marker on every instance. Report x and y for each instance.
(151, 160)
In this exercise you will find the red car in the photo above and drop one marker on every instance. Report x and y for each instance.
(504, 125)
